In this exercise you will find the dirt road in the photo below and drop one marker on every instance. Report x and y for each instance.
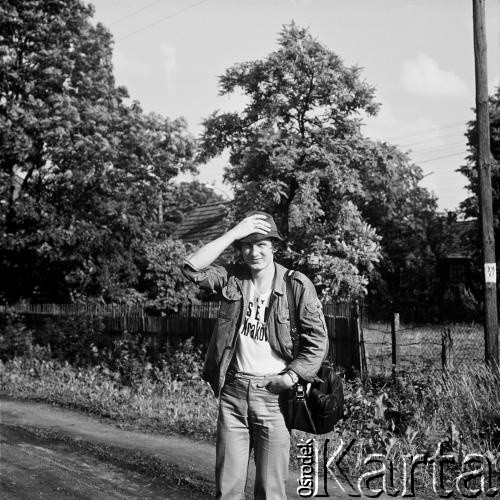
(38, 468)
(51, 452)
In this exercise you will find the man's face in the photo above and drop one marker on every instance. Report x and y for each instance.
(258, 256)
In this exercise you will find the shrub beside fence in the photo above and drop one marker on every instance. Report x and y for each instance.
(374, 347)
(197, 321)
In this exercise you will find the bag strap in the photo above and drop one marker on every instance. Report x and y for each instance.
(301, 389)
(292, 309)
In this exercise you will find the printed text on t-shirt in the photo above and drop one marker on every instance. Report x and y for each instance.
(254, 324)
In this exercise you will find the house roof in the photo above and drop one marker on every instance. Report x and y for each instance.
(204, 223)
(458, 246)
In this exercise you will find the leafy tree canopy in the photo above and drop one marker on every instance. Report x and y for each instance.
(80, 164)
(296, 150)
(165, 287)
(470, 206)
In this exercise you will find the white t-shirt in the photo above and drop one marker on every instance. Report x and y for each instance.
(253, 353)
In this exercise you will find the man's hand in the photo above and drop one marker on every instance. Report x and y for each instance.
(207, 254)
(277, 383)
(252, 224)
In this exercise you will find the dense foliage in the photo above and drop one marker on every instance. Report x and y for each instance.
(296, 150)
(470, 206)
(395, 415)
(84, 172)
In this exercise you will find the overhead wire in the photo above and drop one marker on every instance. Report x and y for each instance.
(119, 20)
(426, 141)
(413, 134)
(426, 131)
(170, 16)
(436, 148)
(463, 153)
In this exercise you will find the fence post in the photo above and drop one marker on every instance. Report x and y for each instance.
(446, 349)
(395, 346)
(361, 341)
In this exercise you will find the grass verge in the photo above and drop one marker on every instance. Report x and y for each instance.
(395, 417)
(162, 405)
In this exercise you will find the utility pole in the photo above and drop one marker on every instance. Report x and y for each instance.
(484, 161)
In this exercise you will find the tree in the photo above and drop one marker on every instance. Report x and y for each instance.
(80, 164)
(163, 283)
(470, 206)
(296, 150)
(404, 215)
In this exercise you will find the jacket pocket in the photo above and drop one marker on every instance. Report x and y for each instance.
(228, 310)
(283, 316)
(230, 304)
(283, 332)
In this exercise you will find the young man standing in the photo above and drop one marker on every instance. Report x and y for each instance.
(250, 362)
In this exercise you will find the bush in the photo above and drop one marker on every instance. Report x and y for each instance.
(70, 338)
(172, 399)
(80, 341)
(15, 338)
(127, 356)
(183, 362)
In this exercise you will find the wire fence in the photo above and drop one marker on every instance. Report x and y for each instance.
(404, 347)
(377, 347)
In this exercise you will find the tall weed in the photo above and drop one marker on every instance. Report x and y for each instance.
(160, 403)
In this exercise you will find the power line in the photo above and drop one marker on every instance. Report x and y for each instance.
(440, 158)
(427, 131)
(134, 13)
(436, 148)
(426, 141)
(170, 16)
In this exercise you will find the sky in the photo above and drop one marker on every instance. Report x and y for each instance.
(418, 54)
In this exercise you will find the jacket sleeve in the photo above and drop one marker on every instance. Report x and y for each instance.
(313, 339)
(213, 278)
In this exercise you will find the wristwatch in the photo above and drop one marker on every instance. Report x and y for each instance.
(293, 376)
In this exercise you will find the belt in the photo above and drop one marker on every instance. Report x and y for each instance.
(231, 373)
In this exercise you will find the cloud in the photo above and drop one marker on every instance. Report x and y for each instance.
(423, 76)
(169, 60)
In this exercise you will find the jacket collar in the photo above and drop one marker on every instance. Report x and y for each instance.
(279, 285)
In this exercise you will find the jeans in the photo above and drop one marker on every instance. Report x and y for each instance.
(251, 418)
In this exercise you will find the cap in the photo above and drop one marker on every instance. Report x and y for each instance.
(255, 237)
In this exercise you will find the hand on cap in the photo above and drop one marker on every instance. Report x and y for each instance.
(256, 223)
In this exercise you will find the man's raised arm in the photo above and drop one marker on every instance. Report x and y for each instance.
(208, 253)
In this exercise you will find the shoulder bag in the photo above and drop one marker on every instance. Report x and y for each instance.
(314, 407)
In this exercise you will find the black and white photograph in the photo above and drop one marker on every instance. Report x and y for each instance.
(249, 249)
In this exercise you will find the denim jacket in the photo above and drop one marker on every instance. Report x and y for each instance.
(233, 283)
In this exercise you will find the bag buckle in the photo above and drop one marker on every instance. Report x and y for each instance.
(300, 393)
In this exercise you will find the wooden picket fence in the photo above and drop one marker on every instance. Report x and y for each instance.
(198, 320)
